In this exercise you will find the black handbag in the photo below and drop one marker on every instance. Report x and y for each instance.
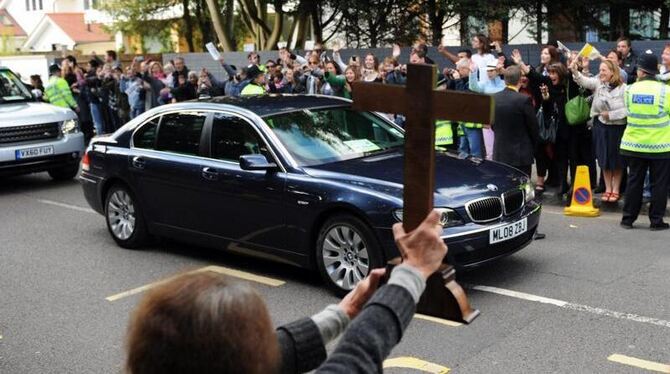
(548, 124)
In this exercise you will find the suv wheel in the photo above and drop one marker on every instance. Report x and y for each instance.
(346, 251)
(64, 173)
(124, 218)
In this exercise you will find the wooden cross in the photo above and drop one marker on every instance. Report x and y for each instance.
(422, 105)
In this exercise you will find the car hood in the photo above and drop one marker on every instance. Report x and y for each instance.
(456, 181)
(28, 113)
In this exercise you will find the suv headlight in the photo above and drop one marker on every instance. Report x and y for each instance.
(448, 218)
(529, 190)
(69, 126)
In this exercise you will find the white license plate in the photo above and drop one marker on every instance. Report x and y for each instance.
(500, 234)
(34, 152)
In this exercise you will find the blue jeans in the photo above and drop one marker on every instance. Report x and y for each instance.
(471, 142)
(98, 121)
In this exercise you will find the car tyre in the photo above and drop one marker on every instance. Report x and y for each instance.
(64, 173)
(124, 218)
(346, 251)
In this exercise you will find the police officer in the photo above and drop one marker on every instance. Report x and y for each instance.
(57, 91)
(444, 135)
(256, 84)
(646, 143)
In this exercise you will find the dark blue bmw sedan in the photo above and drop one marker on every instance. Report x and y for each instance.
(303, 180)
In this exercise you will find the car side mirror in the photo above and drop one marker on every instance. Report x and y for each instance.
(256, 162)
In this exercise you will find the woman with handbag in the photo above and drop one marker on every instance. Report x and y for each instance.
(608, 111)
(572, 146)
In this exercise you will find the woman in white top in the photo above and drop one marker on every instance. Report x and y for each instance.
(608, 111)
(482, 57)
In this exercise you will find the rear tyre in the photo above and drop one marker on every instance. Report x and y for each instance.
(124, 218)
(346, 251)
(64, 173)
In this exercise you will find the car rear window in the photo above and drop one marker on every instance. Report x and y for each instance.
(180, 133)
(145, 137)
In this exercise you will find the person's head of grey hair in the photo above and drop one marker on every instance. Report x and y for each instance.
(512, 75)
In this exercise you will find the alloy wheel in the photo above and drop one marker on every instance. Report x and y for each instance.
(121, 214)
(345, 256)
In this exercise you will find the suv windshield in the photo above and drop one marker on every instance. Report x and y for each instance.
(315, 137)
(11, 88)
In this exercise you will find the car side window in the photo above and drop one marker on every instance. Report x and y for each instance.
(180, 133)
(233, 137)
(145, 137)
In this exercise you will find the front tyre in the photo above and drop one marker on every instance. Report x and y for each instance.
(346, 251)
(124, 218)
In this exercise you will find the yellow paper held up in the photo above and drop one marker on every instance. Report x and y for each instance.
(589, 51)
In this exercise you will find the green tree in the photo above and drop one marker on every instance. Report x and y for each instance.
(375, 23)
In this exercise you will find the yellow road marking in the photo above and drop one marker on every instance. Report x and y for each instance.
(638, 363)
(415, 363)
(438, 320)
(246, 276)
(216, 269)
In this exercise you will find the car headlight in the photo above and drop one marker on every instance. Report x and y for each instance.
(69, 126)
(529, 190)
(448, 218)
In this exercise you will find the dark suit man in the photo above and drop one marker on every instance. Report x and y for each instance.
(515, 125)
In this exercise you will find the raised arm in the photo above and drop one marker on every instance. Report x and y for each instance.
(371, 336)
(445, 52)
(338, 60)
(589, 83)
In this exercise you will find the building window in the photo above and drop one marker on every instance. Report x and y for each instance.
(27, 4)
(41, 7)
(34, 5)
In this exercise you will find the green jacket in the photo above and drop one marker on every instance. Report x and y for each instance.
(338, 83)
(58, 93)
(648, 130)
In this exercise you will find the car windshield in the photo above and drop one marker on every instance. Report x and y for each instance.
(316, 137)
(11, 88)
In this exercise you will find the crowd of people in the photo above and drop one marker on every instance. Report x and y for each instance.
(106, 95)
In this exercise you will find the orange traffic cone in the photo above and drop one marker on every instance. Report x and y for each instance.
(582, 198)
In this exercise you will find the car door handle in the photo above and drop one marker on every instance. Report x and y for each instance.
(210, 174)
(139, 163)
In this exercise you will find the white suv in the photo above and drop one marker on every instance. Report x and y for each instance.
(36, 136)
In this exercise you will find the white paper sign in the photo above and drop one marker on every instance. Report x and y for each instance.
(361, 145)
(281, 45)
(249, 47)
(309, 45)
(213, 51)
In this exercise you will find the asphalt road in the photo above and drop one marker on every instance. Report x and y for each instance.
(564, 304)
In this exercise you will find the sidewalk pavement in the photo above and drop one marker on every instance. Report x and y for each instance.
(548, 197)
